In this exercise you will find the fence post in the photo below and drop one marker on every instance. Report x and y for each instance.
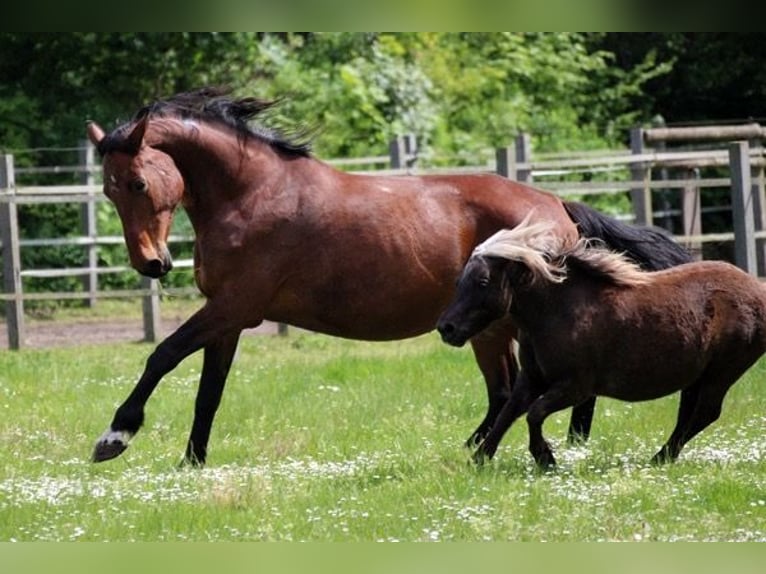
(504, 164)
(88, 219)
(411, 149)
(151, 309)
(691, 210)
(522, 156)
(759, 211)
(742, 207)
(9, 234)
(641, 193)
(397, 150)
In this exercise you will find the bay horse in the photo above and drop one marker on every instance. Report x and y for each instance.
(591, 323)
(282, 236)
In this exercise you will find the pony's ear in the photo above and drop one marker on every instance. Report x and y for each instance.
(95, 133)
(137, 135)
(517, 274)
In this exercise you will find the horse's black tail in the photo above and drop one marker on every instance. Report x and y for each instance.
(652, 248)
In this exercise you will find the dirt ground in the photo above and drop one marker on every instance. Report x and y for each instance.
(70, 333)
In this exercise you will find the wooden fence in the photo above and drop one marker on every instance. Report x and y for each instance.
(654, 163)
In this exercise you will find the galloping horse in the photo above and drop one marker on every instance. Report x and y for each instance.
(281, 236)
(592, 323)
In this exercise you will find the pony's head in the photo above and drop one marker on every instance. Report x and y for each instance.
(508, 259)
(146, 187)
(520, 258)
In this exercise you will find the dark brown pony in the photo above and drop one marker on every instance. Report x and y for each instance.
(591, 323)
(281, 236)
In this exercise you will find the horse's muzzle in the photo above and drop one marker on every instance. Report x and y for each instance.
(158, 266)
(451, 334)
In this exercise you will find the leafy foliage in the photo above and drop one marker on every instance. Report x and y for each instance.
(458, 93)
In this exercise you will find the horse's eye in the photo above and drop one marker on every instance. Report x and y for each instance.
(138, 185)
(483, 281)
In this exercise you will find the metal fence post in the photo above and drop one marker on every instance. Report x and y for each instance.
(9, 234)
(742, 207)
(88, 218)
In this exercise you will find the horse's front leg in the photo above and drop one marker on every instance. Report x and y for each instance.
(521, 397)
(215, 368)
(201, 329)
(494, 356)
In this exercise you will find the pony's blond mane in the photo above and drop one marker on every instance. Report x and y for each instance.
(548, 257)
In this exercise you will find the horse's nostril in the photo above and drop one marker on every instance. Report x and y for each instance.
(154, 268)
(446, 328)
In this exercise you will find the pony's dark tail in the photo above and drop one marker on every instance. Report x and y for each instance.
(652, 248)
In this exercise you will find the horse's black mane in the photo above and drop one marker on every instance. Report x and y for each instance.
(214, 104)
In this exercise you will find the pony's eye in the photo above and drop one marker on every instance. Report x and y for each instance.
(138, 185)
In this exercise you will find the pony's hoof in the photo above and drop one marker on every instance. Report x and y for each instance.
(482, 455)
(545, 462)
(473, 441)
(111, 445)
(662, 457)
(107, 451)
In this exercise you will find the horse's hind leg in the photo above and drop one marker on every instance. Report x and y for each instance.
(701, 403)
(494, 355)
(688, 402)
(215, 368)
(579, 424)
(522, 396)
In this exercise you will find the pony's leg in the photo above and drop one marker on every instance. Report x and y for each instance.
(494, 354)
(201, 329)
(669, 451)
(579, 424)
(706, 411)
(521, 397)
(215, 369)
(556, 398)
(711, 387)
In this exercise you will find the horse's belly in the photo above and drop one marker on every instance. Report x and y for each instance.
(653, 379)
(371, 318)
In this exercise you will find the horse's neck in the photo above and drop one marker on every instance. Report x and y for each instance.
(197, 149)
(531, 305)
(217, 166)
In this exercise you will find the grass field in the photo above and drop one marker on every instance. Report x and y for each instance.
(322, 439)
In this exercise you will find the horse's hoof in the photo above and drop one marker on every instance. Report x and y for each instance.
(106, 451)
(545, 462)
(111, 445)
(482, 455)
(576, 439)
(662, 457)
(476, 438)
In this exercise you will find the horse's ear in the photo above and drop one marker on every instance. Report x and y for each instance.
(137, 135)
(95, 133)
(517, 274)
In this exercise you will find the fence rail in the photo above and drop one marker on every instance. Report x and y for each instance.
(639, 172)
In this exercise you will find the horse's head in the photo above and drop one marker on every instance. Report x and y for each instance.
(146, 187)
(483, 296)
